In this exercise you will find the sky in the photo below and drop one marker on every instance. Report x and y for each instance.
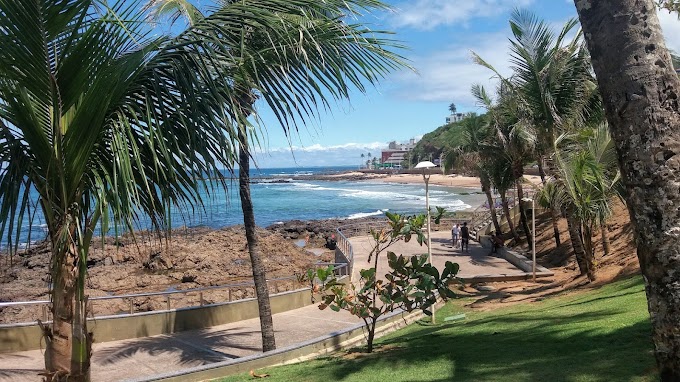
(440, 35)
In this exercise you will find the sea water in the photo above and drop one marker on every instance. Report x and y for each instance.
(280, 195)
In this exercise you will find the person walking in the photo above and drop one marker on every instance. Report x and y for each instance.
(464, 237)
(455, 234)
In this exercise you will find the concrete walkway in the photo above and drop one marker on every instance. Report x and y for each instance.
(137, 358)
(477, 262)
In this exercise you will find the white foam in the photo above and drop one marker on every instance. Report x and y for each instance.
(366, 214)
(385, 195)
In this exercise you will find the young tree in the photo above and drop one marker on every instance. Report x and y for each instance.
(640, 92)
(410, 284)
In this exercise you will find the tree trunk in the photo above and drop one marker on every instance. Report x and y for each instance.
(577, 244)
(640, 90)
(371, 335)
(506, 211)
(606, 246)
(259, 277)
(486, 187)
(554, 213)
(555, 217)
(589, 252)
(68, 344)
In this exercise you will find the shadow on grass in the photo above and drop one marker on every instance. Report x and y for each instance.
(598, 338)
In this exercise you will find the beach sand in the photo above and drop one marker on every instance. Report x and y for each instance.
(442, 180)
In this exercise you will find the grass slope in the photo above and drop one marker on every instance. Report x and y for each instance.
(600, 335)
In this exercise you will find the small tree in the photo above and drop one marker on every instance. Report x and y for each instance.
(410, 284)
(452, 108)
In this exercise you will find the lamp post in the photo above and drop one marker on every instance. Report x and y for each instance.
(426, 177)
(533, 235)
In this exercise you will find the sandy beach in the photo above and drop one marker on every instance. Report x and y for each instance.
(435, 179)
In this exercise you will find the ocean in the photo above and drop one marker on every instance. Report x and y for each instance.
(279, 195)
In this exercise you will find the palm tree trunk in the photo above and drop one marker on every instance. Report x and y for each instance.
(486, 187)
(555, 217)
(554, 213)
(577, 244)
(589, 251)
(640, 90)
(259, 277)
(68, 343)
(606, 246)
(506, 211)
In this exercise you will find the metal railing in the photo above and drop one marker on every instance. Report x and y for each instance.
(217, 294)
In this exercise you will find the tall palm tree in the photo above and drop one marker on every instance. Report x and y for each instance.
(639, 90)
(317, 57)
(552, 82)
(106, 121)
(471, 144)
(502, 179)
(514, 137)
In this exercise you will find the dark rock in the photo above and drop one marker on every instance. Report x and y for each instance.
(188, 278)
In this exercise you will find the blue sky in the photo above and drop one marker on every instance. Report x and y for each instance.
(440, 35)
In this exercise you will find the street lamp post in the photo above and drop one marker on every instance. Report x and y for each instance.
(533, 240)
(426, 177)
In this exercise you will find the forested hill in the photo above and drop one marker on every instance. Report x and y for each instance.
(441, 141)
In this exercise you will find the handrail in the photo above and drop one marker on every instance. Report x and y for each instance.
(338, 267)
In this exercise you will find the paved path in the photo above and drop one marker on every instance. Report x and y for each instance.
(476, 262)
(126, 359)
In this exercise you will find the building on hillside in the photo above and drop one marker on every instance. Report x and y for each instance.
(396, 153)
(455, 117)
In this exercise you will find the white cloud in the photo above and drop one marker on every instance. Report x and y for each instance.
(348, 154)
(449, 74)
(429, 14)
(671, 30)
(318, 147)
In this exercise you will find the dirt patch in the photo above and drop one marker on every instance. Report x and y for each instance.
(621, 262)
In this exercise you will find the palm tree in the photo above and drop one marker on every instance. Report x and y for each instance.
(315, 57)
(471, 141)
(362, 159)
(552, 82)
(643, 113)
(587, 182)
(513, 137)
(106, 122)
(113, 122)
(452, 108)
(502, 179)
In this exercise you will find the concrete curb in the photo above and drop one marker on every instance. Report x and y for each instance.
(291, 354)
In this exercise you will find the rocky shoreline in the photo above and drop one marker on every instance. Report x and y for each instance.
(192, 258)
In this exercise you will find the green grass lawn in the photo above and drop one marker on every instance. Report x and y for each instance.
(601, 335)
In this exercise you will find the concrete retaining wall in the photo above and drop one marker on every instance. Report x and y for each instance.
(112, 328)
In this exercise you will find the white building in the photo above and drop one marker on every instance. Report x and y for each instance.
(396, 153)
(455, 117)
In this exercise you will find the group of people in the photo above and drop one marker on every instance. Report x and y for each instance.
(462, 233)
